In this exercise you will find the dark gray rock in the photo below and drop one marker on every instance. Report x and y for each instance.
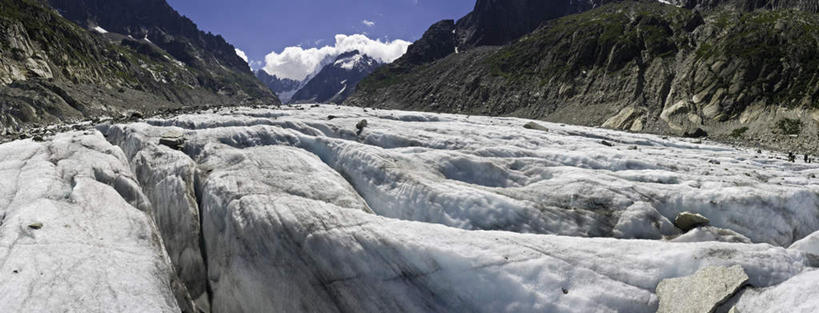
(702, 292)
(173, 139)
(535, 126)
(687, 221)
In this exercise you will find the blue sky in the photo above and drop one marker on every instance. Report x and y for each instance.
(259, 27)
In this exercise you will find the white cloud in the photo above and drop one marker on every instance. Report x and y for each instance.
(297, 63)
(241, 54)
(368, 23)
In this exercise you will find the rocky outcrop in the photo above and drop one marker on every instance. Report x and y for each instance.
(498, 22)
(634, 65)
(702, 292)
(53, 70)
(158, 21)
(748, 5)
(439, 41)
(283, 88)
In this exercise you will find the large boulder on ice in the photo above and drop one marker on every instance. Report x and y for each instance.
(687, 221)
(701, 292)
(173, 138)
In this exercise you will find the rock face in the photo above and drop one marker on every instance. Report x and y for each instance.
(284, 88)
(701, 292)
(632, 65)
(337, 80)
(156, 20)
(749, 5)
(53, 70)
(687, 221)
(439, 41)
(498, 22)
(490, 23)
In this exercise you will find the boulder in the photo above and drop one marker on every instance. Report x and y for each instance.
(687, 221)
(360, 126)
(696, 133)
(535, 126)
(173, 139)
(702, 292)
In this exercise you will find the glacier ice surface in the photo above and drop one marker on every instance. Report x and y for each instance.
(286, 211)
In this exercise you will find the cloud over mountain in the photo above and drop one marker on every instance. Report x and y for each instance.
(297, 63)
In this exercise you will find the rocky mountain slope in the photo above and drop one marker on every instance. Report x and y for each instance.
(747, 5)
(259, 210)
(283, 88)
(337, 80)
(53, 70)
(635, 65)
(491, 23)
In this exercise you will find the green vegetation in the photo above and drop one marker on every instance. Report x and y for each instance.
(739, 132)
(789, 126)
(612, 37)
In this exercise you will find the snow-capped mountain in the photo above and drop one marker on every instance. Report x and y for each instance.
(338, 79)
(284, 88)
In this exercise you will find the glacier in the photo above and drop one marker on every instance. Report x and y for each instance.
(290, 210)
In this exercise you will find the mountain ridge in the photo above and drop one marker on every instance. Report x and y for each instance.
(53, 71)
(337, 80)
(634, 65)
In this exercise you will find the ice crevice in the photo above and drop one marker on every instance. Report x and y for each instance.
(289, 211)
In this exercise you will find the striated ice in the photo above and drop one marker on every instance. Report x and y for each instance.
(288, 211)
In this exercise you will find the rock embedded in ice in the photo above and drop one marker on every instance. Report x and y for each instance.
(173, 138)
(687, 221)
(360, 126)
(701, 292)
(535, 126)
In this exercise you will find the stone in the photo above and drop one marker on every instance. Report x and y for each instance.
(360, 126)
(697, 133)
(687, 221)
(702, 292)
(36, 225)
(173, 139)
(135, 116)
(535, 126)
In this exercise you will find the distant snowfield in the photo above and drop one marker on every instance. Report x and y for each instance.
(291, 210)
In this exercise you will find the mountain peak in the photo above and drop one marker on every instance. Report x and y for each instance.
(337, 80)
